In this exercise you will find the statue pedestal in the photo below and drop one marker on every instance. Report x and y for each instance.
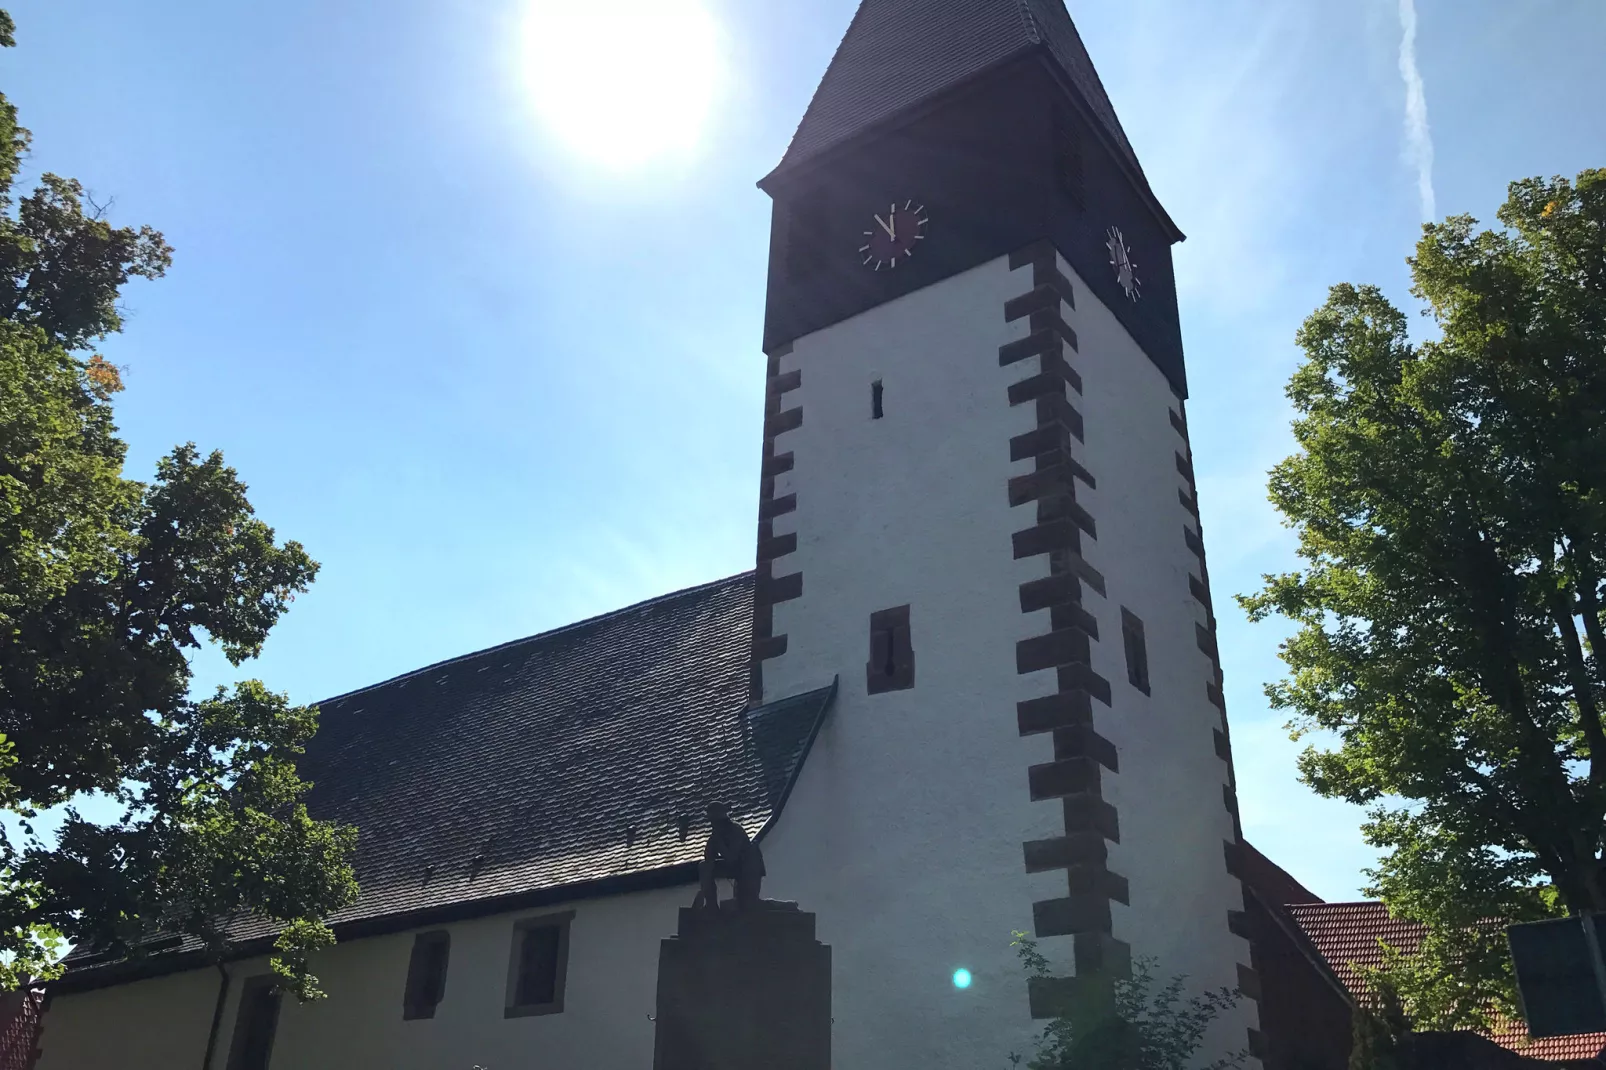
(748, 991)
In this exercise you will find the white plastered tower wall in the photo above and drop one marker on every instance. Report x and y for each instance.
(903, 831)
(1173, 788)
(912, 828)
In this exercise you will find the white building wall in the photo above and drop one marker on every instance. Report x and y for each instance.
(157, 1023)
(904, 830)
(611, 984)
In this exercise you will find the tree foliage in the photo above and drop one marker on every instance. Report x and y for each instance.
(1379, 1026)
(106, 584)
(1451, 516)
(1129, 1025)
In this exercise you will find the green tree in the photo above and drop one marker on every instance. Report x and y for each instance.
(1451, 517)
(1129, 1025)
(105, 583)
(1379, 1026)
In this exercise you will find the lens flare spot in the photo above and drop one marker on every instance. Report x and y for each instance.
(961, 978)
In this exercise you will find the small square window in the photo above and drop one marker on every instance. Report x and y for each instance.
(426, 975)
(538, 965)
(1137, 651)
(254, 1025)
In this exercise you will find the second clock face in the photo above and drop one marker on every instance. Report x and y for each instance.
(1126, 272)
(893, 235)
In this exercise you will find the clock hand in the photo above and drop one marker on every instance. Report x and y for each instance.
(890, 228)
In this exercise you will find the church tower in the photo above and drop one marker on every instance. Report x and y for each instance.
(978, 514)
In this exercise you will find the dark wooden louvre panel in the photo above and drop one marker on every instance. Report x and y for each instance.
(426, 975)
(254, 1027)
(1068, 167)
(881, 651)
(538, 965)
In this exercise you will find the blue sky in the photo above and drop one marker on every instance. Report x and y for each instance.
(496, 386)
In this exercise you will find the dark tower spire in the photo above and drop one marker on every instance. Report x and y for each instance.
(900, 54)
(989, 116)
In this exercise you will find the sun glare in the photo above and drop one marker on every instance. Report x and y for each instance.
(623, 82)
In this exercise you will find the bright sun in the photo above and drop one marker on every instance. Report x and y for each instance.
(623, 81)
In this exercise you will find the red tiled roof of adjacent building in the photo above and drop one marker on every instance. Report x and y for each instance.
(1350, 937)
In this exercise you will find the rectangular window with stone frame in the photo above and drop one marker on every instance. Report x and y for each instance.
(538, 966)
(254, 1025)
(426, 975)
(1137, 650)
(892, 657)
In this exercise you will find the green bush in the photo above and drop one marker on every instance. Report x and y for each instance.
(1131, 1024)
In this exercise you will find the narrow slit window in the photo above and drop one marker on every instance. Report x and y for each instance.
(254, 1025)
(892, 658)
(539, 964)
(875, 400)
(426, 975)
(1137, 650)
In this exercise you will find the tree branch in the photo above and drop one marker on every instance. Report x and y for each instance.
(1560, 606)
(1589, 606)
(1488, 583)
(1543, 846)
(1589, 609)
(1492, 618)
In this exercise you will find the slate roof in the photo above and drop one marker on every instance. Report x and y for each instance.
(899, 53)
(559, 763)
(1350, 935)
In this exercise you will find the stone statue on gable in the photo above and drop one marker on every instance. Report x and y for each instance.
(732, 855)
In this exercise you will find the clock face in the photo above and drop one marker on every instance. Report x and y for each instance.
(892, 236)
(1126, 272)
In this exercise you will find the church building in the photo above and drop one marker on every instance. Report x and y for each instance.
(970, 687)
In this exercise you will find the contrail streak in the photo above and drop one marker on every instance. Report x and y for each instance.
(1418, 139)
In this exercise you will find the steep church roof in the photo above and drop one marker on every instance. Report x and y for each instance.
(900, 53)
(570, 764)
